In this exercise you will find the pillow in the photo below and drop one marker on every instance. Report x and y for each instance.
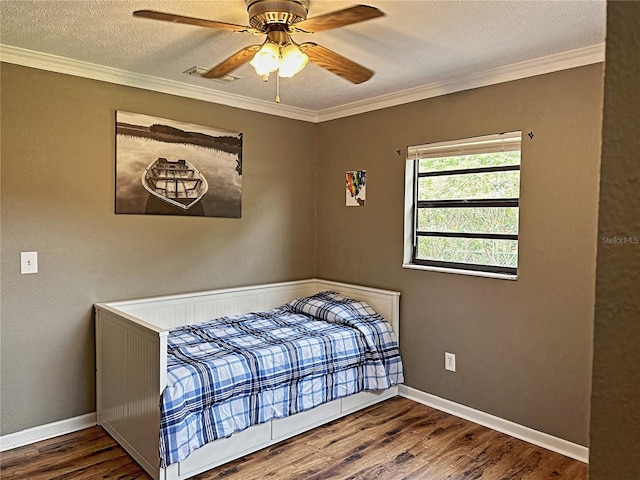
(331, 307)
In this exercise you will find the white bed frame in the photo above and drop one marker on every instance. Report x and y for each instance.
(131, 369)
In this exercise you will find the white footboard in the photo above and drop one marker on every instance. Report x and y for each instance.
(131, 365)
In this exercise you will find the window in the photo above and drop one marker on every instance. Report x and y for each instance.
(462, 205)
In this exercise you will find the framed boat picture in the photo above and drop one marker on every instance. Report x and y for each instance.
(169, 167)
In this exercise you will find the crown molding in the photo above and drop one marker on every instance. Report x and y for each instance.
(54, 63)
(539, 66)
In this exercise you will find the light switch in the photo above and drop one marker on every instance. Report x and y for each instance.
(28, 262)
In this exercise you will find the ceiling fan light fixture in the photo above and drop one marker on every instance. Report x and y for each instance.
(267, 59)
(292, 60)
(278, 20)
(288, 59)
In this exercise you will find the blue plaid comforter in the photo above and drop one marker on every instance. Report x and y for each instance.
(233, 372)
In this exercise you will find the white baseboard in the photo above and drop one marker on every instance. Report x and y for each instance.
(544, 440)
(44, 432)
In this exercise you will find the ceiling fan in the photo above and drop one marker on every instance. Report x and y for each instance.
(278, 20)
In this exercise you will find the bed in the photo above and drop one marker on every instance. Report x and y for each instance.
(135, 358)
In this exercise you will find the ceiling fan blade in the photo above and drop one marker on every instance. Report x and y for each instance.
(234, 61)
(200, 22)
(336, 63)
(341, 18)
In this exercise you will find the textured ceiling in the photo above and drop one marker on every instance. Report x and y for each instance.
(416, 43)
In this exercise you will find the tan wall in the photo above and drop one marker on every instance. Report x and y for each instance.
(523, 348)
(58, 199)
(615, 404)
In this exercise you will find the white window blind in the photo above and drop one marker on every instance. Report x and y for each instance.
(501, 142)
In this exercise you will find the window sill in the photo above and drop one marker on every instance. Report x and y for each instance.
(500, 276)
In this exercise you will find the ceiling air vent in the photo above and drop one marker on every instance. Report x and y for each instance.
(199, 71)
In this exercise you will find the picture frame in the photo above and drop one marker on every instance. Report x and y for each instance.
(356, 188)
(171, 167)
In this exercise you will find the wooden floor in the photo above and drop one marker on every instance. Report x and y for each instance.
(395, 440)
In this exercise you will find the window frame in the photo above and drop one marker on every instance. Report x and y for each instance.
(507, 141)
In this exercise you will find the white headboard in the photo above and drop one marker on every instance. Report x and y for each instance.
(174, 310)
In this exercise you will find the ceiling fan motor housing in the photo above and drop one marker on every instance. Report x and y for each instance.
(266, 12)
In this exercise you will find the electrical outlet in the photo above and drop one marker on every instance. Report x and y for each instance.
(450, 361)
(28, 262)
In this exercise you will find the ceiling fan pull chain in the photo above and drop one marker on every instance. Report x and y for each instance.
(278, 87)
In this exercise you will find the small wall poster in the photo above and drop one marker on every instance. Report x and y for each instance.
(356, 188)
